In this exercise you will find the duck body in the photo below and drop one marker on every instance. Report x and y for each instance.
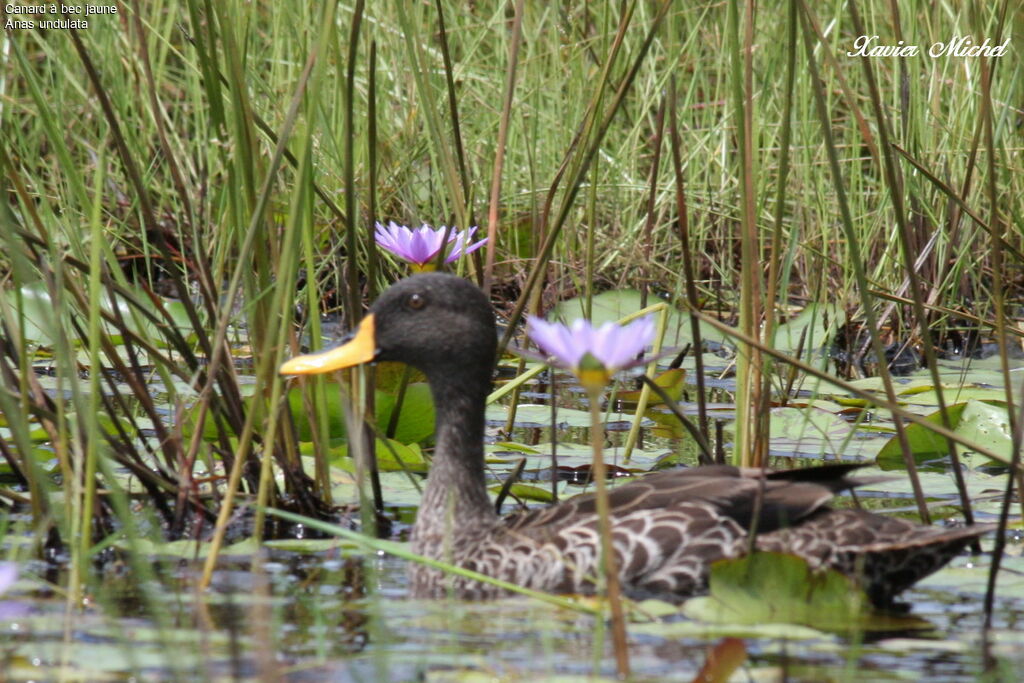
(667, 527)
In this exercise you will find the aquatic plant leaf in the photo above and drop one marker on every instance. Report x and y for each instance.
(672, 381)
(416, 420)
(815, 324)
(527, 492)
(398, 488)
(390, 375)
(308, 545)
(936, 484)
(687, 628)
(968, 575)
(392, 456)
(930, 397)
(985, 424)
(812, 423)
(504, 446)
(782, 588)
(38, 320)
(415, 423)
(300, 412)
(614, 305)
(532, 415)
(183, 548)
(815, 429)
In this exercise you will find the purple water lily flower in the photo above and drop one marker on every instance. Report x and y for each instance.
(420, 247)
(10, 610)
(594, 354)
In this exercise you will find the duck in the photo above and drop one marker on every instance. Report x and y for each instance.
(667, 527)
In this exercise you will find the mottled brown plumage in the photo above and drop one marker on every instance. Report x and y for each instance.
(667, 527)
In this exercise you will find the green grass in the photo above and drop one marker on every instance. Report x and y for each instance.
(568, 69)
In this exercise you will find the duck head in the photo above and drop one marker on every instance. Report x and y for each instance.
(440, 324)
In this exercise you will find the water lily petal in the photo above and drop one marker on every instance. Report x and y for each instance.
(605, 345)
(617, 347)
(416, 246)
(421, 246)
(8, 575)
(460, 239)
(424, 244)
(555, 340)
(612, 346)
(10, 609)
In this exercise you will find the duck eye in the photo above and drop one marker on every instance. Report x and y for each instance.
(416, 302)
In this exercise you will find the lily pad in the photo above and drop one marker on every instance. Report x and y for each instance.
(399, 488)
(614, 305)
(671, 381)
(533, 415)
(39, 323)
(814, 325)
(968, 576)
(415, 422)
(308, 545)
(985, 424)
(528, 492)
(808, 429)
(781, 588)
(392, 456)
(515, 446)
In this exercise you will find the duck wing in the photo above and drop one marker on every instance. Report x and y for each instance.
(885, 554)
(669, 527)
(730, 492)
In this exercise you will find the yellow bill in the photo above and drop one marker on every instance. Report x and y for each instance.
(361, 348)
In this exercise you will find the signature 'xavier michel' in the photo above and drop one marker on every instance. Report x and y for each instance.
(960, 46)
(668, 527)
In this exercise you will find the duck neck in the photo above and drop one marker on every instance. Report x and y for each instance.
(455, 498)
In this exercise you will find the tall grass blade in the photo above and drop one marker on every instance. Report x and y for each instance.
(857, 263)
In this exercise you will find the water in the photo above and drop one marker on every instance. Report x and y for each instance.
(344, 615)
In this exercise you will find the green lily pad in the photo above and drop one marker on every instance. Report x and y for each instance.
(392, 456)
(39, 323)
(528, 492)
(966, 575)
(399, 488)
(781, 588)
(671, 381)
(511, 446)
(814, 324)
(701, 629)
(614, 305)
(415, 422)
(985, 424)
(308, 545)
(956, 394)
(803, 427)
(532, 415)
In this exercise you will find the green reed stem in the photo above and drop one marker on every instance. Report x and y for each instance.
(661, 312)
(857, 262)
(96, 294)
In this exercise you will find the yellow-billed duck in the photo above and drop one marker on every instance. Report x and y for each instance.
(668, 527)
